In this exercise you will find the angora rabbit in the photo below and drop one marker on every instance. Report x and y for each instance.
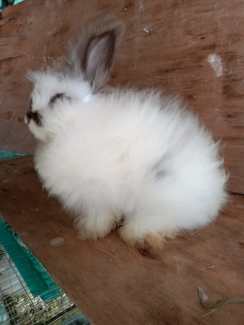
(134, 158)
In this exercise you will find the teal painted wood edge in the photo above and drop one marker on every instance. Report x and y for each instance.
(36, 277)
(5, 3)
(17, 2)
(7, 155)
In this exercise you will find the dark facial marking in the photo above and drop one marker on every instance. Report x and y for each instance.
(56, 97)
(35, 116)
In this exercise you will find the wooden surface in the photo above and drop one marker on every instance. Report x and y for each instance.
(114, 284)
(168, 44)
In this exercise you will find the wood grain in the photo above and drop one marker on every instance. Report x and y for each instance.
(166, 45)
(114, 284)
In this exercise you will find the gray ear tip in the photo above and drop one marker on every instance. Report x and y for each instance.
(108, 24)
(115, 24)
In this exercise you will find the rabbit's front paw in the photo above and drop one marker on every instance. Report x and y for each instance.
(94, 227)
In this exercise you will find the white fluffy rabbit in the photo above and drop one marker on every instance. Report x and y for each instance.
(127, 155)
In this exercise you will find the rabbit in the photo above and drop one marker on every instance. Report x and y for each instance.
(138, 159)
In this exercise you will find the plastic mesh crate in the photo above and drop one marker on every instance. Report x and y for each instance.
(18, 306)
(28, 294)
(32, 271)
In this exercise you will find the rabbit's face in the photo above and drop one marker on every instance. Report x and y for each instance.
(86, 72)
(52, 95)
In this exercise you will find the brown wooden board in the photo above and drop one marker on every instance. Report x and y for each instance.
(114, 284)
(168, 44)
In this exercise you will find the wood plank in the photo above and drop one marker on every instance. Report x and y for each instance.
(114, 284)
(167, 45)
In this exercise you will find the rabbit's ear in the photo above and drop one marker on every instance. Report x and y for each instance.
(93, 55)
(98, 58)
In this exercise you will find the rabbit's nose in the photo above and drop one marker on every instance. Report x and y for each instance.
(35, 117)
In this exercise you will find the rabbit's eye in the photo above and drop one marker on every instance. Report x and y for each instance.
(56, 97)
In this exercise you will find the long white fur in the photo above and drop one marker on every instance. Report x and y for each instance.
(133, 154)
